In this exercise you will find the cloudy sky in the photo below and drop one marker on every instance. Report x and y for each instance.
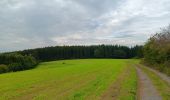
(38, 23)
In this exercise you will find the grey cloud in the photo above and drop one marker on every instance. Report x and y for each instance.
(37, 23)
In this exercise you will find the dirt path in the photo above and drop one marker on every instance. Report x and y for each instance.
(161, 75)
(146, 90)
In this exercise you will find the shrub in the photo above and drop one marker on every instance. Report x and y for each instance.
(15, 67)
(3, 69)
(17, 62)
(157, 51)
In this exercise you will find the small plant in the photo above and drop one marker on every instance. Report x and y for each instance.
(15, 67)
(3, 69)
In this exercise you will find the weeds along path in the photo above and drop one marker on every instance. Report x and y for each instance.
(146, 90)
(161, 75)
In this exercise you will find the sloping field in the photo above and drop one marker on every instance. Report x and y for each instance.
(90, 79)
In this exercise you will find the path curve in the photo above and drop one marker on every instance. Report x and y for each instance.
(146, 90)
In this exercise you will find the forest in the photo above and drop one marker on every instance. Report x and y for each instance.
(80, 52)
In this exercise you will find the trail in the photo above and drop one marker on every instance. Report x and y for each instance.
(146, 90)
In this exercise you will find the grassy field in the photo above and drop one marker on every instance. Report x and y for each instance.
(87, 79)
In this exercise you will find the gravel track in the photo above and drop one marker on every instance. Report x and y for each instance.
(146, 90)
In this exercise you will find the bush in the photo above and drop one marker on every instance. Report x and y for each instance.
(15, 67)
(157, 51)
(17, 62)
(3, 69)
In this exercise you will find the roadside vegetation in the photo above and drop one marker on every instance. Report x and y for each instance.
(157, 51)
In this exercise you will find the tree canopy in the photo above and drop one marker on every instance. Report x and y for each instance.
(157, 50)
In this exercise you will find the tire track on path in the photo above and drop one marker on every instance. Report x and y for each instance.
(146, 90)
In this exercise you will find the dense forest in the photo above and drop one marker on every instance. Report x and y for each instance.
(80, 52)
(26, 59)
(157, 51)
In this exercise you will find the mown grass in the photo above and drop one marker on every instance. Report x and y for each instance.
(67, 80)
(128, 89)
(124, 87)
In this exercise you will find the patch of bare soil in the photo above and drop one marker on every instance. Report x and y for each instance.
(114, 90)
(146, 90)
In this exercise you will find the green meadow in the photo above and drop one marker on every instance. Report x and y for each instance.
(84, 79)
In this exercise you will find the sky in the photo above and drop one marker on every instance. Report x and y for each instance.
(28, 24)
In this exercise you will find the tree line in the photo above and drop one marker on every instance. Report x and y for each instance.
(81, 52)
(27, 59)
(157, 51)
